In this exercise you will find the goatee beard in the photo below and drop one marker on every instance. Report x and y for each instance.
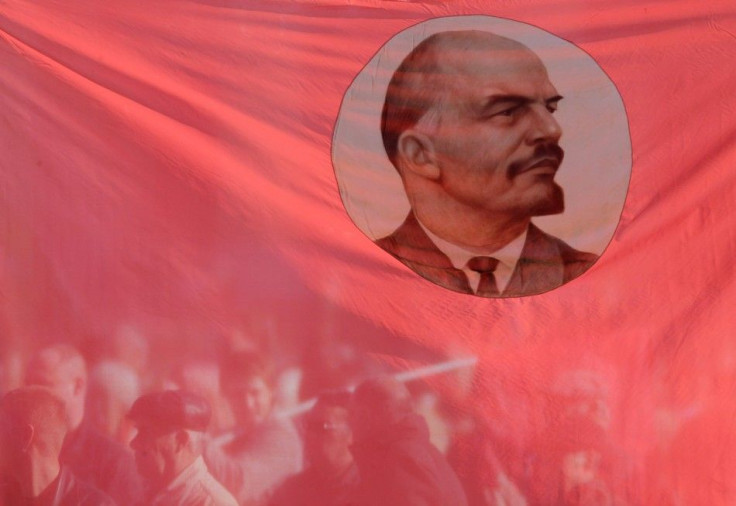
(554, 203)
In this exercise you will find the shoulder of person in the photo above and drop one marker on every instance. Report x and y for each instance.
(567, 252)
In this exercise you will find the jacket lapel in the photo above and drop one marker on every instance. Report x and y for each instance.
(540, 267)
(416, 250)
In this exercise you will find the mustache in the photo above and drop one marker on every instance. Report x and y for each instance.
(542, 152)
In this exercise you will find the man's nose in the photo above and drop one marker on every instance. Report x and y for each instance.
(544, 127)
(139, 442)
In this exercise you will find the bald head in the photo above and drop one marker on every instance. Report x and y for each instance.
(32, 416)
(58, 361)
(430, 70)
(61, 369)
(468, 123)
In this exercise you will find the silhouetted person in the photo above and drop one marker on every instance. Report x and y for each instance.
(202, 377)
(32, 429)
(576, 463)
(113, 386)
(262, 450)
(398, 465)
(331, 477)
(168, 450)
(92, 456)
(582, 451)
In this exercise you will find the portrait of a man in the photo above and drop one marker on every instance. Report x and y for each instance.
(469, 124)
(489, 156)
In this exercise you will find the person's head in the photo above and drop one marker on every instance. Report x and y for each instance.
(33, 425)
(61, 369)
(202, 377)
(169, 430)
(327, 433)
(468, 123)
(247, 381)
(113, 387)
(377, 404)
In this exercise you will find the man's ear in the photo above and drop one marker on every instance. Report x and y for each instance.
(28, 434)
(417, 154)
(181, 438)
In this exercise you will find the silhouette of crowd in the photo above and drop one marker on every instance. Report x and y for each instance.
(237, 431)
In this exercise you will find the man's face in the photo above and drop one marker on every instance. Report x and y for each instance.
(46, 371)
(493, 131)
(251, 400)
(155, 453)
(327, 438)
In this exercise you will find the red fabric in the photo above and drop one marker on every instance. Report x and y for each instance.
(166, 165)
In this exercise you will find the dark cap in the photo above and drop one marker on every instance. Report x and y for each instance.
(172, 409)
(383, 393)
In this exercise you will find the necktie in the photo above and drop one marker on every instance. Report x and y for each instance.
(485, 267)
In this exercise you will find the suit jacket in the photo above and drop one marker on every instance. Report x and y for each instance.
(545, 263)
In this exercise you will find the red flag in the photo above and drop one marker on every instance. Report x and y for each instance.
(167, 172)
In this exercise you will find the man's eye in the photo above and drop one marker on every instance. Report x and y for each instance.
(509, 111)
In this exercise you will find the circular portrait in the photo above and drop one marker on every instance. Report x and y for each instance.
(487, 155)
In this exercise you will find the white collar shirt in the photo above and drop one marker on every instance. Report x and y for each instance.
(507, 256)
(195, 485)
